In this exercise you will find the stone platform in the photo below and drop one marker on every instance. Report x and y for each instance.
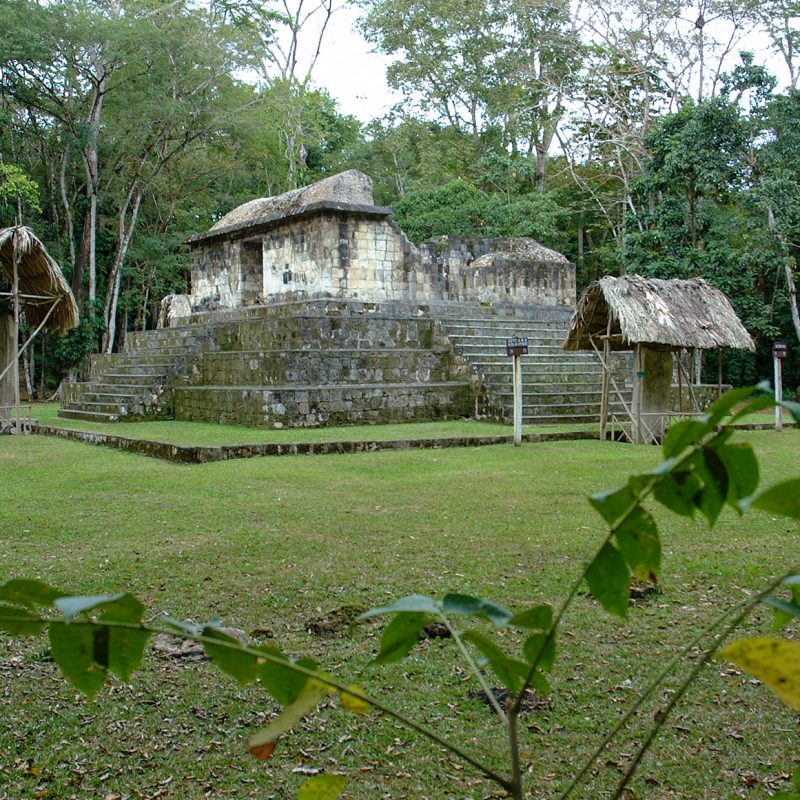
(330, 362)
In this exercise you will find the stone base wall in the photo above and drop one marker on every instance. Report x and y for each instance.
(322, 405)
(333, 366)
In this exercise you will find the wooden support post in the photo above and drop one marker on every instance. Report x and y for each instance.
(15, 256)
(679, 353)
(778, 392)
(719, 374)
(606, 375)
(638, 392)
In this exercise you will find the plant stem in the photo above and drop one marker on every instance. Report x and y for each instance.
(476, 670)
(694, 672)
(321, 677)
(654, 684)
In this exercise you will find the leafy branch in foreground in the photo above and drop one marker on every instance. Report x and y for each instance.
(93, 637)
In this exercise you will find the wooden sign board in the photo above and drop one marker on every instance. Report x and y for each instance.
(517, 346)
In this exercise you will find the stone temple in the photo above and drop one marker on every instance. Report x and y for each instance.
(313, 308)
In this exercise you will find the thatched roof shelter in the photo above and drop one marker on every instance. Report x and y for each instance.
(41, 282)
(670, 314)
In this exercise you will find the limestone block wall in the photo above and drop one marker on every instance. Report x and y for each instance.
(365, 256)
(217, 274)
(344, 255)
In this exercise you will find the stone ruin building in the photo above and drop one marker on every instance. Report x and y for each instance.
(313, 308)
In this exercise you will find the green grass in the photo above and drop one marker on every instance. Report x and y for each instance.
(274, 544)
(210, 434)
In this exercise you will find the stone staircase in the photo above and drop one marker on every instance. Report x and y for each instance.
(557, 387)
(330, 362)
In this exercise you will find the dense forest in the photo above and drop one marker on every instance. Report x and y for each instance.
(632, 135)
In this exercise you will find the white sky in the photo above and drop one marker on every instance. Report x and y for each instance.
(356, 76)
(352, 74)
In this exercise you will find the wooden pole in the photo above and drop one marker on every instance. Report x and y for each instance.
(639, 390)
(719, 374)
(517, 401)
(778, 393)
(15, 331)
(604, 393)
(31, 337)
(680, 381)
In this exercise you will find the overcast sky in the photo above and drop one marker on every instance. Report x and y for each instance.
(351, 73)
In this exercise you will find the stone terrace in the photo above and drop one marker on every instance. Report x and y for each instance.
(328, 362)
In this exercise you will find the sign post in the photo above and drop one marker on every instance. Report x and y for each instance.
(516, 347)
(778, 353)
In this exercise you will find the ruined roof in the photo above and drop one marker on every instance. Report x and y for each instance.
(519, 249)
(40, 279)
(674, 313)
(349, 189)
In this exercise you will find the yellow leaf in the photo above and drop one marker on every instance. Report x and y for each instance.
(775, 662)
(353, 700)
(322, 787)
(307, 701)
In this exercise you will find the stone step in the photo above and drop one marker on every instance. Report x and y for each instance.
(118, 409)
(88, 416)
(125, 380)
(98, 395)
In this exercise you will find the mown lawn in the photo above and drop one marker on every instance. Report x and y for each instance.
(277, 547)
(210, 434)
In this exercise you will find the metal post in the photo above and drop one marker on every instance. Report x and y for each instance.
(778, 353)
(517, 400)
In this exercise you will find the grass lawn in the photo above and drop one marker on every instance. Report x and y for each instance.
(277, 547)
(210, 434)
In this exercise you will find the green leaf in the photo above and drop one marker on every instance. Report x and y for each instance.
(125, 650)
(722, 407)
(183, 627)
(29, 592)
(612, 505)
(741, 466)
(72, 606)
(20, 621)
(794, 409)
(540, 683)
(683, 434)
(677, 492)
(75, 649)
(510, 672)
(414, 602)
(711, 471)
(538, 618)
(784, 612)
(757, 404)
(124, 608)
(775, 662)
(322, 787)
(279, 678)
(783, 499)
(242, 667)
(400, 636)
(609, 580)
(638, 541)
(475, 607)
(312, 694)
(540, 646)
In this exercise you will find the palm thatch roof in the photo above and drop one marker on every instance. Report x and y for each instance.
(41, 282)
(671, 313)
